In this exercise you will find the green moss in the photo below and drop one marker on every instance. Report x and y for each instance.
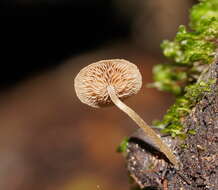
(184, 146)
(168, 79)
(189, 48)
(189, 54)
(191, 132)
(123, 146)
(202, 12)
(181, 108)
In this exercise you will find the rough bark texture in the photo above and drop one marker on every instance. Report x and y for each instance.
(199, 158)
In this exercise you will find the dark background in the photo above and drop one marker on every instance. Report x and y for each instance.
(49, 140)
(37, 36)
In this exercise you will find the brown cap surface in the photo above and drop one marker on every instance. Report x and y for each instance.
(92, 81)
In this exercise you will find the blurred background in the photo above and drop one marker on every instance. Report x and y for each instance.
(48, 139)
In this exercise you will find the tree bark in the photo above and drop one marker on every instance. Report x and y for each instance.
(199, 156)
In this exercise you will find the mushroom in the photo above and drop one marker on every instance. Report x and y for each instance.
(110, 81)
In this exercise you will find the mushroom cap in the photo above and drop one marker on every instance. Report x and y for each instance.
(92, 81)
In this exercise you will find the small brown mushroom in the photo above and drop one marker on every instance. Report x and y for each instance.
(106, 82)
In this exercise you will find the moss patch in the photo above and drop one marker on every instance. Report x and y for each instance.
(172, 121)
(123, 146)
(189, 53)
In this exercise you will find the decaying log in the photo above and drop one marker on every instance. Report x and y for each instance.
(199, 157)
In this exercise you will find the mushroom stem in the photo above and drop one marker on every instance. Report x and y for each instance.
(141, 123)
